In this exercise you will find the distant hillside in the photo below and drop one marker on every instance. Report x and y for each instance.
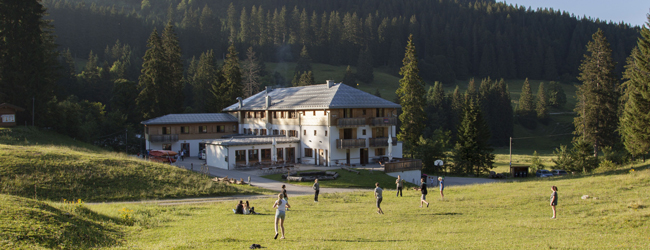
(47, 166)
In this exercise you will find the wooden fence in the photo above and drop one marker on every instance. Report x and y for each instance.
(403, 165)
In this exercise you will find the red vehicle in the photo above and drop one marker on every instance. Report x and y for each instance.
(163, 156)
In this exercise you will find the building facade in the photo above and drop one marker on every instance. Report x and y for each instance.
(188, 132)
(326, 124)
(8, 114)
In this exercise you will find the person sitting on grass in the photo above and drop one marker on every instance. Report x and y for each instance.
(248, 209)
(240, 208)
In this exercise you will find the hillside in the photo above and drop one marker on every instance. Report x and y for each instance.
(46, 166)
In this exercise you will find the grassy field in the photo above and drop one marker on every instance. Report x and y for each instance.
(511, 215)
(365, 179)
(44, 165)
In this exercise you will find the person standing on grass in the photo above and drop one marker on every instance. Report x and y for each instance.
(316, 188)
(442, 187)
(423, 189)
(281, 205)
(400, 184)
(553, 200)
(378, 197)
(284, 194)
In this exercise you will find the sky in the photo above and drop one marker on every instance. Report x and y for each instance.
(629, 11)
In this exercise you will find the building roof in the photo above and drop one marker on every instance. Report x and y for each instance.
(321, 96)
(11, 106)
(190, 118)
(262, 140)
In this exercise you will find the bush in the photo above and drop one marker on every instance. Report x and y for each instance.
(607, 165)
(536, 163)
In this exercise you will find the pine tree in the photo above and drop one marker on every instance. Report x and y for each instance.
(598, 95)
(436, 109)
(550, 69)
(28, 59)
(304, 62)
(556, 96)
(173, 89)
(364, 66)
(251, 73)
(636, 111)
(151, 77)
(526, 107)
(232, 85)
(472, 153)
(204, 78)
(349, 78)
(542, 104)
(411, 94)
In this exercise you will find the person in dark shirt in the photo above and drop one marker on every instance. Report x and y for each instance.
(240, 208)
(423, 188)
(553, 200)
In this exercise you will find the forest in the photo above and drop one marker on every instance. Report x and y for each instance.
(106, 55)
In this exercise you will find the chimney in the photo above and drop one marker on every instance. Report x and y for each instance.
(268, 102)
(240, 101)
(330, 83)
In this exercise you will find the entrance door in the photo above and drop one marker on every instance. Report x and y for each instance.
(347, 156)
(291, 155)
(363, 154)
(186, 147)
(321, 157)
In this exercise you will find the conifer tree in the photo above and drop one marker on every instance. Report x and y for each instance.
(205, 78)
(173, 89)
(251, 73)
(304, 62)
(472, 152)
(437, 109)
(542, 104)
(636, 110)
(526, 107)
(411, 94)
(364, 66)
(349, 78)
(550, 68)
(598, 96)
(231, 87)
(556, 96)
(151, 77)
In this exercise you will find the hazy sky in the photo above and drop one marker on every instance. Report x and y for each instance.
(629, 11)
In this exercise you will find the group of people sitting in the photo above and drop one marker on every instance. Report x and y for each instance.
(244, 208)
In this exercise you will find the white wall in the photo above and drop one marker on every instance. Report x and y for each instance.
(176, 146)
(412, 176)
(216, 154)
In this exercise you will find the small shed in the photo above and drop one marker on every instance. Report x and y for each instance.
(8, 114)
(519, 171)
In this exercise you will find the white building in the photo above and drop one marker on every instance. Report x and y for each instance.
(326, 124)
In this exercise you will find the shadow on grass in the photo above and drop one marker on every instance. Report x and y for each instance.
(362, 240)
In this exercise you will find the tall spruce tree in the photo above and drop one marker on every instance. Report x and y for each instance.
(173, 90)
(526, 107)
(636, 110)
(151, 78)
(28, 59)
(411, 94)
(231, 87)
(597, 106)
(349, 78)
(204, 78)
(304, 62)
(364, 66)
(556, 95)
(437, 110)
(541, 106)
(251, 73)
(472, 153)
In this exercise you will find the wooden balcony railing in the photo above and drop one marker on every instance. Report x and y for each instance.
(384, 121)
(163, 138)
(350, 143)
(351, 122)
(381, 142)
(403, 165)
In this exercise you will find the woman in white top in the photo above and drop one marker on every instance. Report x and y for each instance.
(281, 206)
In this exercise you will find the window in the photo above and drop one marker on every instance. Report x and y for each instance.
(254, 114)
(166, 130)
(276, 132)
(234, 128)
(380, 151)
(280, 153)
(292, 114)
(325, 133)
(324, 113)
(240, 156)
(363, 132)
(304, 132)
(167, 147)
(363, 112)
(266, 154)
(293, 133)
(275, 115)
(262, 114)
(380, 112)
(221, 128)
(263, 132)
(314, 112)
(203, 129)
(253, 155)
(185, 130)
(256, 132)
(314, 132)
(309, 152)
(283, 132)
(347, 113)
(248, 114)
(283, 114)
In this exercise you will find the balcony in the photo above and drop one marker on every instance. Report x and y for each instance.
(384, 121)
(163, 138)
(350, 143)
(381, 142)
(351, 122)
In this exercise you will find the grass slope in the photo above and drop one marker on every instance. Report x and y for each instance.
(511, 215)
(31, 168)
